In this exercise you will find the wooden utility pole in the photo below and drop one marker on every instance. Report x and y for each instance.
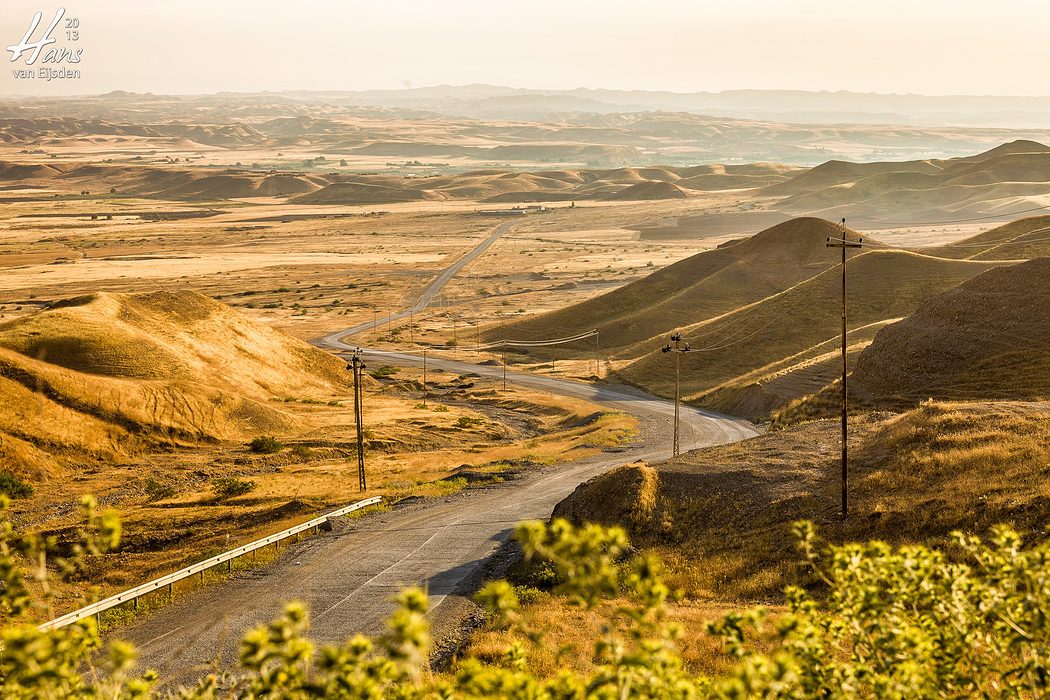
(844, 243)
(677, 348)
(357, 366)
(503, 351)
(424, 376)
(597, 365)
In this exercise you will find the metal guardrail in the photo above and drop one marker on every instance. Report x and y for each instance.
(200, 567)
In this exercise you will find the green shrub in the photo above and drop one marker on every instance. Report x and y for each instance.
(266, 445)
(231, 487)
(157, 491)
(909, 622)
(468, 422)
(14, 487)
(384, 372)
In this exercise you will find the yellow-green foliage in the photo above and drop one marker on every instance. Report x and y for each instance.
(902, 623)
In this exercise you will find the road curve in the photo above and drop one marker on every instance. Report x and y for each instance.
(349, 575)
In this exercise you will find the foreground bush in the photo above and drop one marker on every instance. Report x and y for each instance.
(265, 445)
(904, 623)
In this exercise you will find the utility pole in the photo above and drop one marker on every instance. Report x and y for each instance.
(844, 243)
(503, 350)
(677, 348)
(597, 366)
(357, 366)
(424, 376)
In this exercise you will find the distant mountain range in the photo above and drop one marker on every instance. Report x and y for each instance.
(489, 101)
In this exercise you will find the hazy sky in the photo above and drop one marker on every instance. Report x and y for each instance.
(197, 46)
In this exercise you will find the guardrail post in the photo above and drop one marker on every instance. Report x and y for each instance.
(133, 594)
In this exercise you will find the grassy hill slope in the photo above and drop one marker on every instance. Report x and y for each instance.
(721, 516)
(103, 374)
(1007, 177)
(701, 287)
(988, 338)
(884, 284)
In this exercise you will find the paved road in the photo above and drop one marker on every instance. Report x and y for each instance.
(428, 294)
(348, 576)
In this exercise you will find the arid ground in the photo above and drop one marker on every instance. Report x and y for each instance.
(164, 261)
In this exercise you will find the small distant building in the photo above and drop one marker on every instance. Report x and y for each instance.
(502, 212)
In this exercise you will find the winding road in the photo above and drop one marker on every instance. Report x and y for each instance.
(349, 575)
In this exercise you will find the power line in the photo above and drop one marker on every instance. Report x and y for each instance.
(505, 343)
(955, 221)
(538, 343)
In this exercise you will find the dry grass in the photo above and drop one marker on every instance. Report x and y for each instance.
(171, 516)
(702, 287)
(568, 635)
(986, 339)
(146, 400)
(722, 515)
(883, 285)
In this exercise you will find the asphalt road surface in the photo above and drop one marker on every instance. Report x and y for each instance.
(348, 576)
(428, 294)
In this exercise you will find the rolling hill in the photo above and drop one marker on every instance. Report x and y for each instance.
(762, 313)
(167, 181)
(988, 338)
(1010, 177)
(102, 375)
(701, 287)
(721, 517)
(799, 321)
